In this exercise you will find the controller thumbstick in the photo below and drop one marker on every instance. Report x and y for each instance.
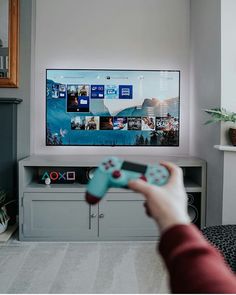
(143, 178)
(116, 174)
(91, 199)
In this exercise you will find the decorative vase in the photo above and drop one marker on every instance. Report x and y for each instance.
(3, 227)
(4, 221)
(232, 135)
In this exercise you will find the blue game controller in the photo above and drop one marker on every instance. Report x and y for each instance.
(114, 172)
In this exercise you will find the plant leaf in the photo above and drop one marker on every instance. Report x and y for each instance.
(222, 114)
(3, 216)
(209, 121)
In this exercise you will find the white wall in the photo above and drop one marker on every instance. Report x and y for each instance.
(130, 34)
(228, 56)
(228, 101)
(205, 92)
(228, 61)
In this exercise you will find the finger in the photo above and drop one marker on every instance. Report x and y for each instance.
(148, 212)
(172, 168)
(140, 186)
(175, 171)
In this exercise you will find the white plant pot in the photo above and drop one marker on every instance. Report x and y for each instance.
(3, 227)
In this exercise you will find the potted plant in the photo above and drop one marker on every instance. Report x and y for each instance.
(221, 114)
(4, 218)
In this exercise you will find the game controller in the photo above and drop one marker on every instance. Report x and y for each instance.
(114, 172)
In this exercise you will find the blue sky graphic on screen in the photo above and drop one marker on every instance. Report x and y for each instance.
(112, 107)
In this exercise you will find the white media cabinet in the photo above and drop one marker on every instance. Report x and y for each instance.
(58, 212)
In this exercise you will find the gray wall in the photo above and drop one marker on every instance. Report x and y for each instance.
(23, 129)
(205, 92)
(204, 76)
(118, 34)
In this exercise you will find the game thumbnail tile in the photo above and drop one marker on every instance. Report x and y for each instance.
(77, 101)
(92, 123)
(167, 123)
(106, 123)
(78, 123)
(148, 123)
(120, 123)
(134, 123)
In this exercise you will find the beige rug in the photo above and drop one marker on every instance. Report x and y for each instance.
(103, 267)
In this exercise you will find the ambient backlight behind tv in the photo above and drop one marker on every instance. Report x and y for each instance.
(112, 107)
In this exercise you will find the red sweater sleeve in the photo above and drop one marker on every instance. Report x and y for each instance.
(194, 265)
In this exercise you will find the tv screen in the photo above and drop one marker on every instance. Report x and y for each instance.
(112, 107)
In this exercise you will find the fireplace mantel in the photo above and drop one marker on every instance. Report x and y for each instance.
(8, 150)
(4, 100)
(225, 148)
(229, 184)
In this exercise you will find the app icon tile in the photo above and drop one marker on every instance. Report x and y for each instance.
(125, 91)
(111, 92)
(97, 91)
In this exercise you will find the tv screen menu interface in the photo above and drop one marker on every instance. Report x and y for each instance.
(112, 107)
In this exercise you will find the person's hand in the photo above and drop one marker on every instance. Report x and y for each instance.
(166, 204)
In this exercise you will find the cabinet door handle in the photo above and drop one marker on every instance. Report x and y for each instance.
(101, 215)
(93, 215)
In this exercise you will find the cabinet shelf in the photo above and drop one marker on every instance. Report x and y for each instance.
(63, 188)
(191, 185)
(39, 187)
(34, 186)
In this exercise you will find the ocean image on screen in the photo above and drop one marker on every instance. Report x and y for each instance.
(112, 107)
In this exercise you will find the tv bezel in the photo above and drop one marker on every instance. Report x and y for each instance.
(117, 146)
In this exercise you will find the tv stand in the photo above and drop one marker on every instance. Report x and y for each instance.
(58, 212)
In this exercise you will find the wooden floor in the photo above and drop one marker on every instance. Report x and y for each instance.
(62, 267)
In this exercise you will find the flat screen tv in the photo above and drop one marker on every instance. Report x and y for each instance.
(112, 107)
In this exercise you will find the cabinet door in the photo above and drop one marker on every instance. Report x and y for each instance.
(58, 216)
(122, 217)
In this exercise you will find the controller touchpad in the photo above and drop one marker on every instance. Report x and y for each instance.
(134, 167)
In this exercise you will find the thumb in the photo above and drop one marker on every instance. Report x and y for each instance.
(140, 186)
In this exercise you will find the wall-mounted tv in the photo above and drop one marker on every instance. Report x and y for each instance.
(112, 107)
